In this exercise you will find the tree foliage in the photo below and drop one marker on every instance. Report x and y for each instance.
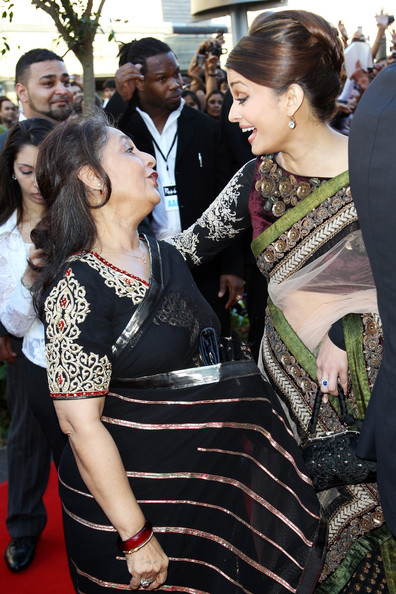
(7, 14)
(77, 22)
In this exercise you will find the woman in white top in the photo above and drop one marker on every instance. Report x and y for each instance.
(34, 430)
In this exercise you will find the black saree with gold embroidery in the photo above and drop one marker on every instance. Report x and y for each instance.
(207, 449)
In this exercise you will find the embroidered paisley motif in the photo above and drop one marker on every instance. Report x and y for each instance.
(71, 370)
(218, 222)
(124, 284)
(175, 311)
(280, 191)
(292, 249)
(372, 345)
(186, 243)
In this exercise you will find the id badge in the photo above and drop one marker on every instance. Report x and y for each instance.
(171, 199)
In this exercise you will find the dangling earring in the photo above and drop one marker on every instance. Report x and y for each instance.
(100, 189)
(13, 176)
(292, 123)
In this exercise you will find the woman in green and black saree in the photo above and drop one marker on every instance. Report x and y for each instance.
(322, 326)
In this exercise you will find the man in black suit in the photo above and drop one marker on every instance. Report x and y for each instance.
(372, 156)
(191, 160)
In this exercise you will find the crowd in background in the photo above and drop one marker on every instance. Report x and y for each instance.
(205, 81)
(212, 151)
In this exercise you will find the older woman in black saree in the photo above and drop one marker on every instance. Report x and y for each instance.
(163, 424)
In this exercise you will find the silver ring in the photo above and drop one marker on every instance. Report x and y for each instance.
(239, 297)
(324, 382)
(145, 582)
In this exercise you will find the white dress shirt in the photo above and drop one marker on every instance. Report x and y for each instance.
(17, 313)
(166, 214)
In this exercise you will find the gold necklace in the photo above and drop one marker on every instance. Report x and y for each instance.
(140, 258)
(143, 258)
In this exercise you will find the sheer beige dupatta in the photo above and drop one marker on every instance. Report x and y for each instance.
(338, 282)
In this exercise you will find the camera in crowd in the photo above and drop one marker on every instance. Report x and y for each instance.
(208, 49)
(215, 48)
(200, 60)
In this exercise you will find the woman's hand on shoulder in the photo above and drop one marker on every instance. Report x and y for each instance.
(331, 365)
(149, 562)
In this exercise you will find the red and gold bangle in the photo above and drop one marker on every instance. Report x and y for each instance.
(137, 541)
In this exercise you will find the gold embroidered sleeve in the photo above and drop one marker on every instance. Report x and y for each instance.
(73, 371)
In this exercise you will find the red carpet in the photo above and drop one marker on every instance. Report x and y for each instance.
(48, 573)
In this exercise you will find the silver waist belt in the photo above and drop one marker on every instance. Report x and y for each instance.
(194, 376)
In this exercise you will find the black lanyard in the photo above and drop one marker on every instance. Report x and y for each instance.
(169, 152)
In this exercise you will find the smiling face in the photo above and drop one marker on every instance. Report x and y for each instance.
(25, 173)
(261, 113)
(133, 179)
(162, 84)
(45, 91)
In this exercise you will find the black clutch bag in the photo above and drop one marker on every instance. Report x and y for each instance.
(331, 459)
(214, 350)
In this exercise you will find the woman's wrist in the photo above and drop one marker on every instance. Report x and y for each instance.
(137, 541)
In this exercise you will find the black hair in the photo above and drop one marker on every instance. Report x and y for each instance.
(32, 57)
(209, 95)
(3, 98)
(194, 96)
(138, 50)
(109, 84)
(28, 132)
(293, 46)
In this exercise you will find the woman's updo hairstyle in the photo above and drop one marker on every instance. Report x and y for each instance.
(293, 46)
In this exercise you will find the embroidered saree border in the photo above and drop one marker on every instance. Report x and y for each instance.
(365, 544)
(353, 334)
(308, 361)
(300, 210)
(292, 341)
(388, 552)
